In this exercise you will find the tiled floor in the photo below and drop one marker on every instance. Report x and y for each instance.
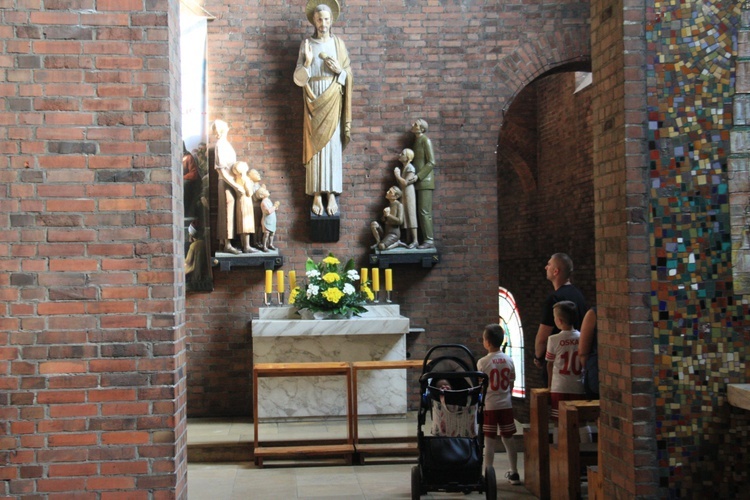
(244, 481)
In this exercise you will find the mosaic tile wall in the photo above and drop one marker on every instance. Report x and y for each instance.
(701, 340)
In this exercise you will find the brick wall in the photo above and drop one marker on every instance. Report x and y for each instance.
(456, 65)
(92, 385)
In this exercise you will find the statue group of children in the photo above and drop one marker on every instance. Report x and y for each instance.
(254, 203)
(243, 200)
(401, 211)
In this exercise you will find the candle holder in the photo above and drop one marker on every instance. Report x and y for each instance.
(280, 297)
(388, 296)
(267, 299)
(376, 296)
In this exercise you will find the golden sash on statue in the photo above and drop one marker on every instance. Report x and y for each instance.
(321, 119)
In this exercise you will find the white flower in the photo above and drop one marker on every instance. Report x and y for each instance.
(349, 289)
(314, 273)
(352, 275)
(312, 290)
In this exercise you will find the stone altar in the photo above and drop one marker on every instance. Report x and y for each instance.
(280, 337)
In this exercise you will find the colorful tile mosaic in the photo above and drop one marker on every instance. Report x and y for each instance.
(701, 341)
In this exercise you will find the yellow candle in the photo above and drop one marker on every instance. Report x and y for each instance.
(269, 281)
(375, 279)
(280, 281)
(292, 280)
(388, 280)
(363, 275)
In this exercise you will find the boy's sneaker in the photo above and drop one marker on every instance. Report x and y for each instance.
(513, 477)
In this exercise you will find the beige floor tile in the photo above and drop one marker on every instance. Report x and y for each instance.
(327, 476)
(245, 481)
(274, 492)
(331, 491)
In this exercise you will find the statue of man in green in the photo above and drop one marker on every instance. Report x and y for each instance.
(424, 162)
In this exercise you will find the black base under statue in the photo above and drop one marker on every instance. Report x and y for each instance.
(427, 257)
(267, 260)
(324, 228)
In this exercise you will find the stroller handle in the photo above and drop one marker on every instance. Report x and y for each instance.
(449, 346)
(481, 376)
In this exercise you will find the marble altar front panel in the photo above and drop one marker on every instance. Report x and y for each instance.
(379, 335)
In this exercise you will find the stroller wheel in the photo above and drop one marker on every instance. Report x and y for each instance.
(490, 483)
(416, 483)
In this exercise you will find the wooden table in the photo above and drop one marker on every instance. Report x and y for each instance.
(303, 370)
(388, 446)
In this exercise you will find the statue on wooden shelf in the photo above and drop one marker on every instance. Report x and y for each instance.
(406, 179)
(424, 162)
(388, 236)
(245, 213)
(269, 217)
(324, 73)
(224, 158)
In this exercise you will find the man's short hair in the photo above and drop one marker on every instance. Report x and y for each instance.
(567, 311)
(564, 264)
(494, 334)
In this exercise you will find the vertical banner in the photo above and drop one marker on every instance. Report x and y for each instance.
(193, 37)
(195, 168)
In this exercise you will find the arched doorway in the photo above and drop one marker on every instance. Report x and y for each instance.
(545, 197)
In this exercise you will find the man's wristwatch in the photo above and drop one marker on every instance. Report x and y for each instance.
(539, 358)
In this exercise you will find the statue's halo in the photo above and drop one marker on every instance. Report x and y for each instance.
(310, 9)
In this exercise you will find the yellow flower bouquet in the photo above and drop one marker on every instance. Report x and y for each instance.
(330, 290)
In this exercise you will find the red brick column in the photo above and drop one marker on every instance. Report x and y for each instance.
(622, 250)
(92, 365)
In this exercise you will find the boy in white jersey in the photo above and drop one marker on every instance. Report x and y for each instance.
(563, 365)
(498, 406)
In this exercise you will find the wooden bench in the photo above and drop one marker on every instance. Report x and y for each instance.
(569, 455)
(536, 445)
(595, 476)
(390, 447)
(303, 370)
(560, 464)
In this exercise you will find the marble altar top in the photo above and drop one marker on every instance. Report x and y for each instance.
(284, 322)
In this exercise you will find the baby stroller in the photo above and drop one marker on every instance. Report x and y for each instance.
(450, 459)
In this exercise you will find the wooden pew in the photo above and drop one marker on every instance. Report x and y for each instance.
(536, 445)
(566, 459)
(595, 475)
